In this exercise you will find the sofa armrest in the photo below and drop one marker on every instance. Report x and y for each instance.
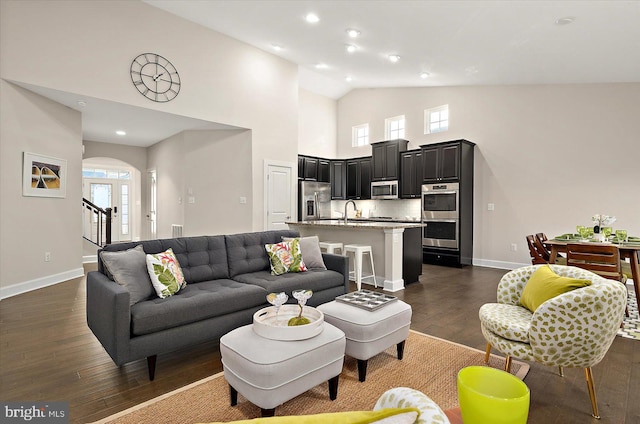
(109, 315)
(339, 264)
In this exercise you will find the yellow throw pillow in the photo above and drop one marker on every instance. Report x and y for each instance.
(545, 284)
(403, 415)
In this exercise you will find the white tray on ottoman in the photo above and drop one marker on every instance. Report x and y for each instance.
(369, 333)
(270, 372)
(268, 324)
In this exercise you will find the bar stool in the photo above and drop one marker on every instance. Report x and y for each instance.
(331, 247)
(358, 250)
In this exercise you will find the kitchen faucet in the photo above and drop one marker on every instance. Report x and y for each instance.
(355, 208)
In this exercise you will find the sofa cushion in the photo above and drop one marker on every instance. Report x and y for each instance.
(311, 253)
(201, 258)
(195, 302)
(315, 280)
(129, 269)
(165, 273)
(246, 252)
(285, 257)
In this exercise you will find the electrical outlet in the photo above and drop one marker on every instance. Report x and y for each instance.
(491, 206)
(243, 200)
(47, 256)
(514, 247)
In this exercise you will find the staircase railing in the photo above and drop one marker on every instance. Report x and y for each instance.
(96, 223)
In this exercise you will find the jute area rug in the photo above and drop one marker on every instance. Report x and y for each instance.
(430, 365)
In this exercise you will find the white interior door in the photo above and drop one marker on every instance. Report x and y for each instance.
(279, 198)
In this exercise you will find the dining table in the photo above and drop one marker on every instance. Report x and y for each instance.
(629, 251)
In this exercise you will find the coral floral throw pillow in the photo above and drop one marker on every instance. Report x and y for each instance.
(285, 257)
(165, 272)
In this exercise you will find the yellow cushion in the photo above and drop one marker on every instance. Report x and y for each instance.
(545, 284)
(350, 417)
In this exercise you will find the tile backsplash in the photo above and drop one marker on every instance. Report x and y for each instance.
(397, 208)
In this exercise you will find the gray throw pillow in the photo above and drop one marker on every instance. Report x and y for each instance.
(129, 269)
(310, 249)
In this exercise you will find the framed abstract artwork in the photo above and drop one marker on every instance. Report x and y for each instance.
(44, 176)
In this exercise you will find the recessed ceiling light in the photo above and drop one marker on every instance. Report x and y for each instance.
(353, 33)
(348, 78)
(394, 58)
(82, 103)
(565, 21)
(424, 75)
(351, 48)
(312, 18)
(120, 132)
(322, 66)
(276, 47)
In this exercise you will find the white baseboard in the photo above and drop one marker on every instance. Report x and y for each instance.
(90, 259)
(38, 283)
(393, 285)
(497, 264)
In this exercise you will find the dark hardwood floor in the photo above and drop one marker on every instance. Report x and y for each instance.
(47, 352)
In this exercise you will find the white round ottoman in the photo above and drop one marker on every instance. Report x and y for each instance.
(369, 332)
(270, 372)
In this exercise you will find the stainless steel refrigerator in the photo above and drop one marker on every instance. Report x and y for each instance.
(314, 200)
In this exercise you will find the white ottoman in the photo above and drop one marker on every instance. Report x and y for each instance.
(370, 332)
(270, 372)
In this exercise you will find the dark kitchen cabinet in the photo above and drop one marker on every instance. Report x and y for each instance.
(310, 169)
(411, 174)
(359, 178)
(386, 159)
(446, 162)
(300, 167)
(338, 180)
(324, 171)
(441, 162)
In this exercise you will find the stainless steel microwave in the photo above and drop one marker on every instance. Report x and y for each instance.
(384, 190)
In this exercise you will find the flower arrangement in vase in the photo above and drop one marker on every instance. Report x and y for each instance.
(599, 221)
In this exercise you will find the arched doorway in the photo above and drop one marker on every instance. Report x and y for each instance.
(109, 182)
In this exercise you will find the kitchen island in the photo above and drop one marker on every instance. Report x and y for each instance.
(397, 246)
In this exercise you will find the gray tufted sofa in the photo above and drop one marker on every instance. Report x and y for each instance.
(228, 278)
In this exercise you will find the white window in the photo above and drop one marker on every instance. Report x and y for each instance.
(394, 127)
(360, 135)
(436, 119)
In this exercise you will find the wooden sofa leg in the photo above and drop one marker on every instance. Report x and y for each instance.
(151, 364)
(507, 364)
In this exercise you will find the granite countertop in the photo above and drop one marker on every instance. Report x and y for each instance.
(358, 223)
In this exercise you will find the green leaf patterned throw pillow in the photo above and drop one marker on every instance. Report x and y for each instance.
(165, 273)
(285, 257)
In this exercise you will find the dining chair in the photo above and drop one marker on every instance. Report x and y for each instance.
(546, 253)
(537, 257)
(601, 259)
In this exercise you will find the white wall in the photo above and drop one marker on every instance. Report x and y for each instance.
(548, 157)
(211, 168)
(31, 226)
(317, 129)
(87, 47)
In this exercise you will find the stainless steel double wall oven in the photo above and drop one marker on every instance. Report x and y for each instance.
(441, 215)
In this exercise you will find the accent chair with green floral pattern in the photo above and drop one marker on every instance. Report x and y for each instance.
(574, 329)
